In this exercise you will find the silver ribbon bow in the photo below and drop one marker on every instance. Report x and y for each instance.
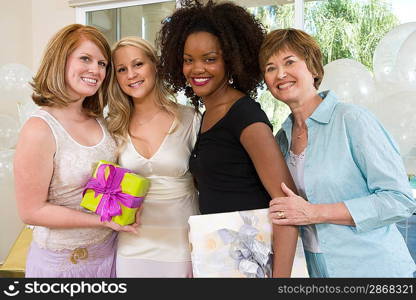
(253, 257)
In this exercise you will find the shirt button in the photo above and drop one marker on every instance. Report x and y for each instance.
(194, 155)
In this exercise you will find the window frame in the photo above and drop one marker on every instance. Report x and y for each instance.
(81, 10)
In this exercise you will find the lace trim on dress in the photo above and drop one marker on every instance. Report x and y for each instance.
(72, 165)
(295, 158)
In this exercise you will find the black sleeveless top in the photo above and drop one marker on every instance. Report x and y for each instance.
(226, 178)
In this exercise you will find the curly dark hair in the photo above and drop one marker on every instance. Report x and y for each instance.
(240, 35)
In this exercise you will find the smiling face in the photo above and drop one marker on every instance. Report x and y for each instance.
(135, 72)
(288, 78)
(85, 70)
(203, 64)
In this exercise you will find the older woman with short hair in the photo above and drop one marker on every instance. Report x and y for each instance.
(348, 171)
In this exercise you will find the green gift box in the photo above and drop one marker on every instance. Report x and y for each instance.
(114, 193)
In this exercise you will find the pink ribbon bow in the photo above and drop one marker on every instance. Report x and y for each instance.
(110, 188)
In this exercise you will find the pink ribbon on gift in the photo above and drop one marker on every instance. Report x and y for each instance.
(110, 188)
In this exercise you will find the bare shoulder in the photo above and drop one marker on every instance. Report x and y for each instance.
(186, 109)
(258, 138)
(257, 130)
(36, 134)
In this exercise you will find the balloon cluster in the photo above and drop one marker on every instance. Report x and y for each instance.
(389, 92)
(14, 91)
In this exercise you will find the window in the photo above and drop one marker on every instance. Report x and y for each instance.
(343, 28)
(273, 15)
(127, 18)
(353, 28)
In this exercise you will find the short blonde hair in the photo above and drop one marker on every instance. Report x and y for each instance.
(49, 82)
(298, 41)
(121, 106)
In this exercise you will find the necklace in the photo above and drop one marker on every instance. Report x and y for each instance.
(148, 121)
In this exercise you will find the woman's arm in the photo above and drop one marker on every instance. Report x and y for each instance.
(33, 168)
(298, 211)
(389, 199)
(378, 158)
(271, 167)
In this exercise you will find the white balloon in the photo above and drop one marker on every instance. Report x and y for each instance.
(15, 76)
(397, 113)
(27, 109)
(6, 164)
(382, 91)
(405, 70)
(385, 54)
(350, 80)
(14, 83)
(9, 129)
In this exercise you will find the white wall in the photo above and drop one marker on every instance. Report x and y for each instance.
(27, 25)
(25, 28)
(15, 32)
(48, 16)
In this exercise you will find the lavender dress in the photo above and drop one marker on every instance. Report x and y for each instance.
(72, 252)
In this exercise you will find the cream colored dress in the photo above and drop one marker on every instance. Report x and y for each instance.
(72, 166)
(161, 249)
(85, 252)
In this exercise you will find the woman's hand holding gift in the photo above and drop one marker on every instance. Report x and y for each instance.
(127, 228)
(116, 194)
(138, 214)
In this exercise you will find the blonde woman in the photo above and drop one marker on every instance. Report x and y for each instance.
(155, 137)
(53, 159)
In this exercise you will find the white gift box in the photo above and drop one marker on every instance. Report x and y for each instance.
(236, 244)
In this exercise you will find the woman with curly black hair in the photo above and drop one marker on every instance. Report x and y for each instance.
(210, 51)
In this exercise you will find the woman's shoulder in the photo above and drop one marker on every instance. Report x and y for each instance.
(246, 101)
(340, 106)
(187, 113)
(244, 107)
(103, 121)
(37, 132)
(356, 118)
(247, 107)
(186, 109)
(39, 122)
(348, 110)
(354, 111)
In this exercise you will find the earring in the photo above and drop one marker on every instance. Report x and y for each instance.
(230, 80)
(187, 84)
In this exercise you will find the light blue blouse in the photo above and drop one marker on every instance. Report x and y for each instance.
(351, 158)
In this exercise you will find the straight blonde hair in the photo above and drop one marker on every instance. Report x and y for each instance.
(49, 87)
(121, 106)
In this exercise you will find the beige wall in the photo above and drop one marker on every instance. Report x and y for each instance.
(25, 28)
(15, 32)
(48, 16)
(16, 47)
(27, 25)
